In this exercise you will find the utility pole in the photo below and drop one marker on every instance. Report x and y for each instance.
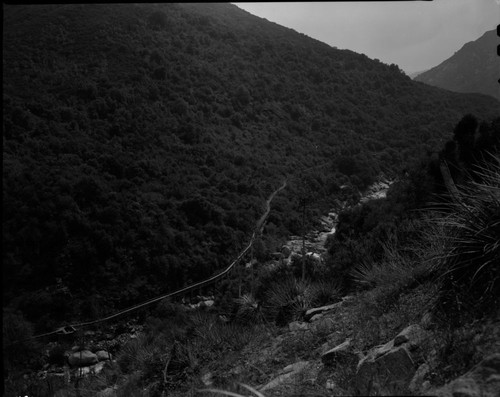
(251, 270)
(303, 239)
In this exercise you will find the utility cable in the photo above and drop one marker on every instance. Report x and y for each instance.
(71, 328)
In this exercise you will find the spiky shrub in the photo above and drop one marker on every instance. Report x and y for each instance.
(407, 263)
(288, 299)
(471, 262)
(213, 338)
(249, 310)
(147, 356)
(399, 269)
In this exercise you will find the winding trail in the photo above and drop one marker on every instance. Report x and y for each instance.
(260, 222)
(68, 329)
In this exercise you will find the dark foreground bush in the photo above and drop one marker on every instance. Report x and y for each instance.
(471, 263)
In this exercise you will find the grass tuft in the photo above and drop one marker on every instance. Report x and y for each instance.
(470, 266)
(288, 299)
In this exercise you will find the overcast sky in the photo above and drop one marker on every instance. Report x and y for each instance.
(416, 35)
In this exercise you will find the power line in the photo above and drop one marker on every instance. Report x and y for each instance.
(71, 328)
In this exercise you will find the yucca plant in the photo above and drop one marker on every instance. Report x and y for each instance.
(215, 337)
(249, 310)
(288, 299)
(400, 268)
(470, 266)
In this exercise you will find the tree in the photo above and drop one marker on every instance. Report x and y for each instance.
(464, 136)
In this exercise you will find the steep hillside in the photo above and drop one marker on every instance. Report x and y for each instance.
(140, 142)
(415, 74)
(473, 68)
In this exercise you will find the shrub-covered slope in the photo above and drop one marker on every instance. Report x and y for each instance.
(141, 140)
(473, 68)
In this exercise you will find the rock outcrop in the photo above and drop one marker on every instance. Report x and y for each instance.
(482, 381)
(82, 358)
(286, 375)
(342, 354)
(389, 369)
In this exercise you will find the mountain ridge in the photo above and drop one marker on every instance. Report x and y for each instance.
(140, 140)
(473, 68)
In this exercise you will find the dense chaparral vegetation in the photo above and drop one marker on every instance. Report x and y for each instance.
(140, 142)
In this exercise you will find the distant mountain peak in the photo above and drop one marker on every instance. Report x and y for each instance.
(475, 68)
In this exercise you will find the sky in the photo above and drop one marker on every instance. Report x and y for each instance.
(415, 35)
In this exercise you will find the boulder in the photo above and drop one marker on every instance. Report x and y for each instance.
(298, 326)
(320, 310)
(427, 320)
(107, 392)
(385, 374)
(341, 354)
(324, 325)
(90, 370)
(286, 374)
(103, 355)
(207, 379)
(413, 334)
(416, 384)
(390, 368)
(295, 367)
(82, 358)
(482, 381)
(465, 387)
(316, 317)
(286, 251)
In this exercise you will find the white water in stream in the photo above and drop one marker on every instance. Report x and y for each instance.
(315, 240)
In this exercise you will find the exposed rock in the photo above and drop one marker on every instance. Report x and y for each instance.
(108, 392)
(389, 373)
(426, 386)
(330, 385)
(298, 326)
(465, 387)
(324, 325)
(82, 358)
(341, 354)
(285, 375)
(41, 374)
(316, 317)
(418, 379)
(390, 368)
(427, 321)
(483, 380)
(103, 355)
(90, 370)
(376, 191)
(413, 334)
(207, 379)
(286, 251)
(320, 310)
(295, 367)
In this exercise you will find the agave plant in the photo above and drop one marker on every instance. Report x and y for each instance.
(249, 310)
(471, 262)
(288, 299)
